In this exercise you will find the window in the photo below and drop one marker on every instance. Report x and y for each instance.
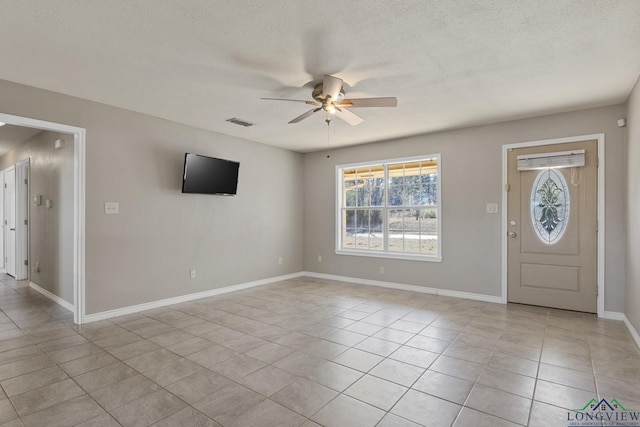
(390, 208)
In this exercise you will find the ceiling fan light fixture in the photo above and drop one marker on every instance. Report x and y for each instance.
(329, 116)
(329, 94)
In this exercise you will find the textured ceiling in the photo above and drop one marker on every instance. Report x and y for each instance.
(450, 63)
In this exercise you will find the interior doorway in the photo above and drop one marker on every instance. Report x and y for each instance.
(78, 211)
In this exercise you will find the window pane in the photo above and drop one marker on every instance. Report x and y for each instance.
(364, 195)
(403, 193)
(362, 229)
(395, 230)
(396, 242)
(395, 195)
(412, 230)
(349, 238)
(429, 230)
(350, 197)
(377, 192)
(414, 195)
(362, 240)
(362, 220)
(375, 220)
(376, 236)
(350, 218)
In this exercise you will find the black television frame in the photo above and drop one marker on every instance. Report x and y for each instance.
(226, 170)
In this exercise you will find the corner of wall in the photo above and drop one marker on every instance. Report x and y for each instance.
(632, 268)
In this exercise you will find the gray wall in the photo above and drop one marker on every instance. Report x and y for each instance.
(632, 299)
(145, 253)
(50, 230)
(471, 177)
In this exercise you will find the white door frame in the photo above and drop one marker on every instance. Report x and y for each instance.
(11, 172)
(601, 197)
(79, 167)
(2, 228)
(22, 219)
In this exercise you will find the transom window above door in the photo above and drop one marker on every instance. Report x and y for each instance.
(390, 208)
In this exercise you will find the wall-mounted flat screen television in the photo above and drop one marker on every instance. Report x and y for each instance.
(209, 175)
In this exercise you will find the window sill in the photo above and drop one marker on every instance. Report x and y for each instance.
(391, 255)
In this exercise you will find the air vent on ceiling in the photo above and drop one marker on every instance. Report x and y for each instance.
(240, 122)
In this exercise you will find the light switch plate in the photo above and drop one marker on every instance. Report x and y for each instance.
(492, 208)
(111, 208)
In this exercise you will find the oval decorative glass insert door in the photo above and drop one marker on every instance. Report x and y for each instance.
(549, 206)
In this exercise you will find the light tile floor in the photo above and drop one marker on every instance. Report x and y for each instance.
(309, 352)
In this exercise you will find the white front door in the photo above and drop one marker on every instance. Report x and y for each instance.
(10, 220)
(552, 229)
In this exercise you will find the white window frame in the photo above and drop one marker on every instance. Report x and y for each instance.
(339, 250)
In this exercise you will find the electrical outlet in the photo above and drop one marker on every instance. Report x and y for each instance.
(280, 260)
(319, 258)
(492, 208)
(111, 208)
(192, 274)
(381, 270)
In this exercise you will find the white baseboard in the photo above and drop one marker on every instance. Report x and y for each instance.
(53, 297)
(184, 298)
(391, 285)
(401, 286)
(614, 315)
(632, 330)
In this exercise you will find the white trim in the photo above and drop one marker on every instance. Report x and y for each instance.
(390, 255)
(339, 250)
(53, 297)
(185, 298)
(601, 198)
(614, 315)
(79, 162)
(23, 227)
(632, 330)
(78, 202)
(404, 287)
(2, 216)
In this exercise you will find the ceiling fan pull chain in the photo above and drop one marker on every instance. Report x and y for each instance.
(328, 138)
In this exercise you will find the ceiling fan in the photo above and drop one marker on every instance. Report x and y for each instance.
(329, 96)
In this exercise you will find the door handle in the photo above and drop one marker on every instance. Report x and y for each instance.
(12, 229)
(512, 234)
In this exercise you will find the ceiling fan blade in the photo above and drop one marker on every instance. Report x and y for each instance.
(304, 116)
(369, 102)
(331, 87)
(314, 103)
(348, 116)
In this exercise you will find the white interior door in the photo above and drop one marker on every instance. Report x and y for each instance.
(10, 220)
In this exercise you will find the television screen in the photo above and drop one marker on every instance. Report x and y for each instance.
(208, 175)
